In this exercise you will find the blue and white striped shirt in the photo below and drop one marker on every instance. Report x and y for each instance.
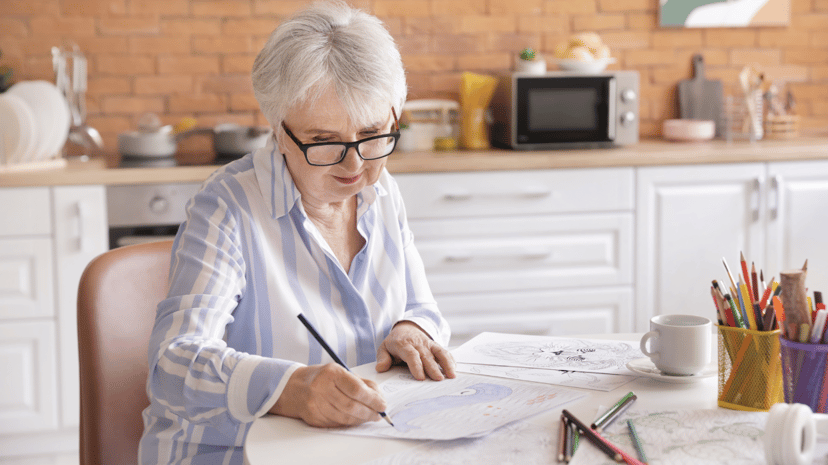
(245, 263)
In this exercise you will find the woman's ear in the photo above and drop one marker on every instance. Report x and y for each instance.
(279, 137)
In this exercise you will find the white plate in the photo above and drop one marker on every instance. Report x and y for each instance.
(51, 116)
(595, 66)
(17, 133)
(645, 367)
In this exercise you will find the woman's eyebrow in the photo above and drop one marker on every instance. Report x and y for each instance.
(372, 126)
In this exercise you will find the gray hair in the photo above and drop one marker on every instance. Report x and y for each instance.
(330, 43)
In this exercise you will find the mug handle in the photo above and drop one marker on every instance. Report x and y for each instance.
(646, 338)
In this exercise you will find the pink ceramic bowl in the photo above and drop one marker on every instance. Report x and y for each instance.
(688, 130)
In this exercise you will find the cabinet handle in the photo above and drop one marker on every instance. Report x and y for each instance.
(83, 217)
(757, 189)
(776, 187)
(528, 192)
(459, 257)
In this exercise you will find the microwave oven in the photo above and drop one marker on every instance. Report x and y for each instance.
(562, 109)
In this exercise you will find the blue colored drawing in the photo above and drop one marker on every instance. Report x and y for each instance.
(474, 394)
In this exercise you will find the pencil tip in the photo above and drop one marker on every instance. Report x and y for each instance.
(741, 256)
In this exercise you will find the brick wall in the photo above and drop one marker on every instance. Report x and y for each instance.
(193, 57)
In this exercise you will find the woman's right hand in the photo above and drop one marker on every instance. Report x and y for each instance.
(328, 396)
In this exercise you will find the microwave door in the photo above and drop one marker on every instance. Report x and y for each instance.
(611, 113)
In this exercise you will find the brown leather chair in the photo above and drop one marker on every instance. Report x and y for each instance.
(117, 298)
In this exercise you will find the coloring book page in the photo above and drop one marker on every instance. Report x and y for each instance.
(516, 443)
(547, 352)
(464, 407)
(577, 379)
(685, 437)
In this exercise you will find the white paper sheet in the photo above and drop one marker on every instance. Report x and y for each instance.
(547, 352)
(594, 381)
(517, 443)
(687, 437)
(463, 407)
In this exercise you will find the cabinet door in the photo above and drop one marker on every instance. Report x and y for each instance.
(81, 234)
(798, 220)
(525, 252)
(689, 218)
(28, 401)
(543, 313)
(26, 278)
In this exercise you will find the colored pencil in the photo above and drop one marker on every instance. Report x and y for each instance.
(729, 274)
(562, 439)
(332, 354)
(754, 282)
(603, 419)
(746, 275)
(637, 442)
(617, 413)
(593, 437)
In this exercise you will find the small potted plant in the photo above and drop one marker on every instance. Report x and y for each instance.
(528, 61)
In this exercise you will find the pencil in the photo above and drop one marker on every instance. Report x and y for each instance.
(754, 281)
(617, 413)
(330, 352)
(637, 442)
(570, 441)
(729, 274)
(562, 439)
(746, 275)
(602, 420)
(593, 437)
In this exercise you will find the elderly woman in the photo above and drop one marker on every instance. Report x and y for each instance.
(313, 224)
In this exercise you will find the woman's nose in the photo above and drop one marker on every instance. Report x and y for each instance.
(352, 160)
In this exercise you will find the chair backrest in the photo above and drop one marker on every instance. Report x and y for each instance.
(117, 298)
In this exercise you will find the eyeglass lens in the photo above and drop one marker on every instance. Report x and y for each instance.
(369, 150)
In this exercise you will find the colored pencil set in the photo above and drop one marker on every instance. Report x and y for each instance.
(747, 303)
(572, 429)
(750, 373)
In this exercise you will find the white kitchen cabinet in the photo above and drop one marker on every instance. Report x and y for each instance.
(797, 220)
(537, 252)
(47, 236)
(690, 217)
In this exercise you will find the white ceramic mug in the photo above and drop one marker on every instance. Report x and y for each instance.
(679, 344)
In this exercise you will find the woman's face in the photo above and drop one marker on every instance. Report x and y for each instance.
(327, 121)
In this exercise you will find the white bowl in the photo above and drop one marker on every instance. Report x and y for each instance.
(688, 130)
(594, 66)
(18, 133)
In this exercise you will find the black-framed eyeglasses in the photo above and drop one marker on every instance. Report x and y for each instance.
(331, 153)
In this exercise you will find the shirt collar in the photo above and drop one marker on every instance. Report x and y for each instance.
(278, 189)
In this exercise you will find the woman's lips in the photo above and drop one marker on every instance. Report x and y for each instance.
(348, 180)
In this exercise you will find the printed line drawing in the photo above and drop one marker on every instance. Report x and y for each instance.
(542, 352)
(584, 380)
(474, 394)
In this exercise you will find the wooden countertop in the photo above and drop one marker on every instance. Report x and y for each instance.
(646, 153)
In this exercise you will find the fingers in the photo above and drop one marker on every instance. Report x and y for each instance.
(445, 359)
(329, 395)
(384, 359)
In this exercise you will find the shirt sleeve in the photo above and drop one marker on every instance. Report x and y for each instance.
(194, 375)
(420, 308)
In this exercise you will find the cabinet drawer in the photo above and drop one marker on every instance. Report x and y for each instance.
(26, 289)
(545, 313)
(451, 195)
(541, 252)
(28, 385)
(26, 211)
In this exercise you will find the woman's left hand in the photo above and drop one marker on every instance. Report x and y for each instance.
(409, 344)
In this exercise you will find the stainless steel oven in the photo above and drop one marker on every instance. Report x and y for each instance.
(146, 212)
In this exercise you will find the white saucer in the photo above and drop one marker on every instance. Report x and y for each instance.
(645, 367)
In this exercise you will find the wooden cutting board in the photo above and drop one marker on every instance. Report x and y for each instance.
(700, 98)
